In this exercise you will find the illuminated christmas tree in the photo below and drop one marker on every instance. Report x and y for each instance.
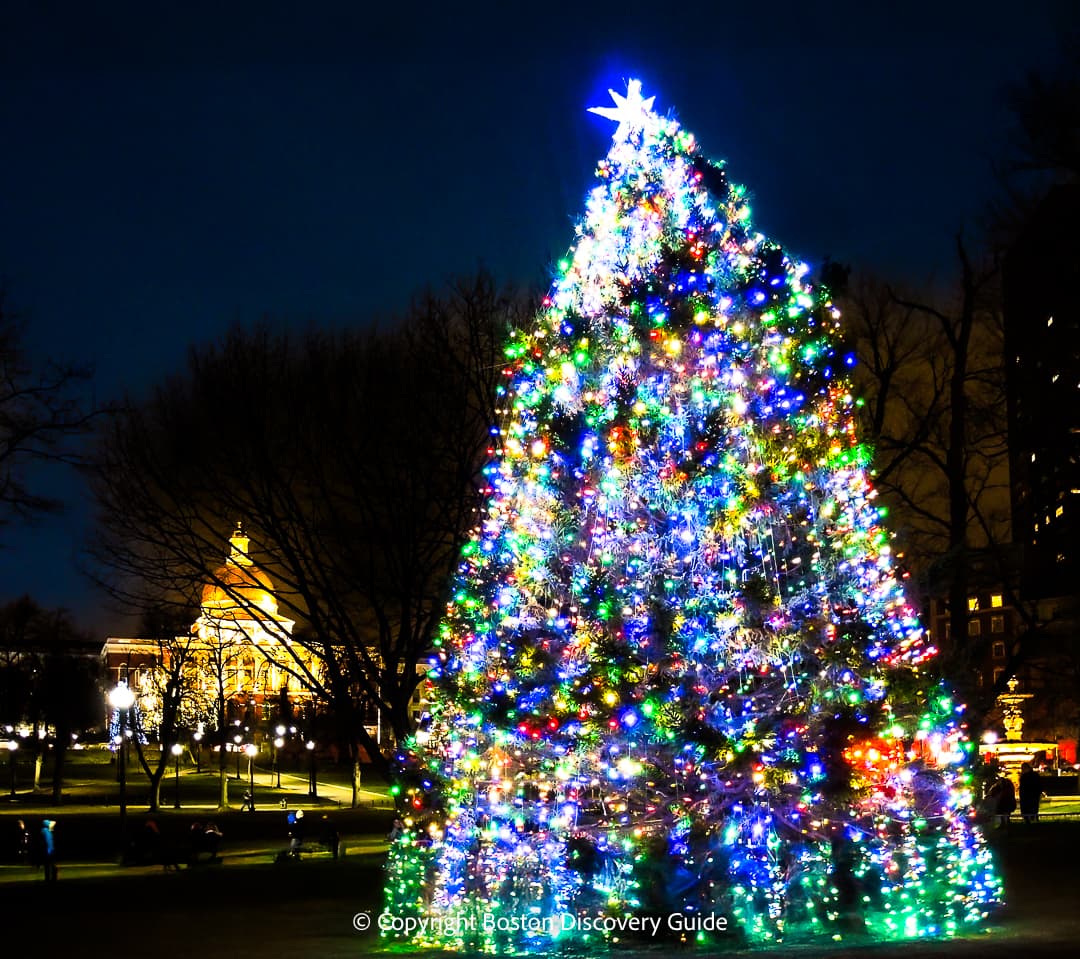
(678, 677)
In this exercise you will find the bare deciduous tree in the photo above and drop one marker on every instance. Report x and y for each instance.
(354, 461)
(169, 690)
(931, 370)
(41, 409)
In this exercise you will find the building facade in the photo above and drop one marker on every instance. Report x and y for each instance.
(240, 648)
(1042, 343)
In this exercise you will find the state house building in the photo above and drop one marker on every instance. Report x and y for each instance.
(238, 634)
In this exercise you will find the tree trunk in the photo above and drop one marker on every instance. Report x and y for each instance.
(223, 778)
(355, 776)
(60, 748)
(371, 748)
(223, 772)
(59, 758)
(154, 803)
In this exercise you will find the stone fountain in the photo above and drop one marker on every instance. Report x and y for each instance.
(1013, 751)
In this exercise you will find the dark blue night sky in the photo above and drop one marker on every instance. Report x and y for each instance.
(172, 169)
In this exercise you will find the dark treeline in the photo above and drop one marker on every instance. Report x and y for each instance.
(50, 675)
(353, 460)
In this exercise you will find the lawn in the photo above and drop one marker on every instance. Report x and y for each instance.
(91, 777)
(306, 909)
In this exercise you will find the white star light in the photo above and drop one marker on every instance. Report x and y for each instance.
(630, 112)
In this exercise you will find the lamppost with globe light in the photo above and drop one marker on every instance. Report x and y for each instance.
(121, 698)
(237, 740)
(198, 749)
(177, 749)
(251, 749)
(279, 741)
(312, 788)
(12, 747)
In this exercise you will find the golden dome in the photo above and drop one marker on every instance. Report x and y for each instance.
(239, 588)
(239, 585)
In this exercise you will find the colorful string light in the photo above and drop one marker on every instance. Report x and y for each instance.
(678, 675)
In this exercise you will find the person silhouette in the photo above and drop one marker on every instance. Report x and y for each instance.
(48, 849)
(1030, 793)
(212, 840)
(330, 838)
(1002, 801)
(296, 833)
(22, 843)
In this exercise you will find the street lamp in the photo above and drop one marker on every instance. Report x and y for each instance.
(177, 749)
(278, 743)
(237, 739)
(251, 749)
(198, 750)
(312, 790)
(13, 745)
(122, 699)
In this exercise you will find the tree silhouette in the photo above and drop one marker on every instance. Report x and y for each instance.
(354, 461)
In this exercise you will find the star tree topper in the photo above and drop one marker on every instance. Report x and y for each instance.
(630, 112)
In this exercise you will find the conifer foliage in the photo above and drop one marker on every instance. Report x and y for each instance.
(678, 675)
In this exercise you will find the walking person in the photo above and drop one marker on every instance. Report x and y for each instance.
(296, 833)
(1030, 793)
(22, 843)
(212, 837)
(48, 849)
(149, 843)
(1001, 800)
(330, 838)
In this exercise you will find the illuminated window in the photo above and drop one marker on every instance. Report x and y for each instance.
(974, 627)
(995, 601)
(1059, 511)
(997, 624)
(998, 651)
(1050, 321)
(973, 604)
(948, 629)
(998, 670)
